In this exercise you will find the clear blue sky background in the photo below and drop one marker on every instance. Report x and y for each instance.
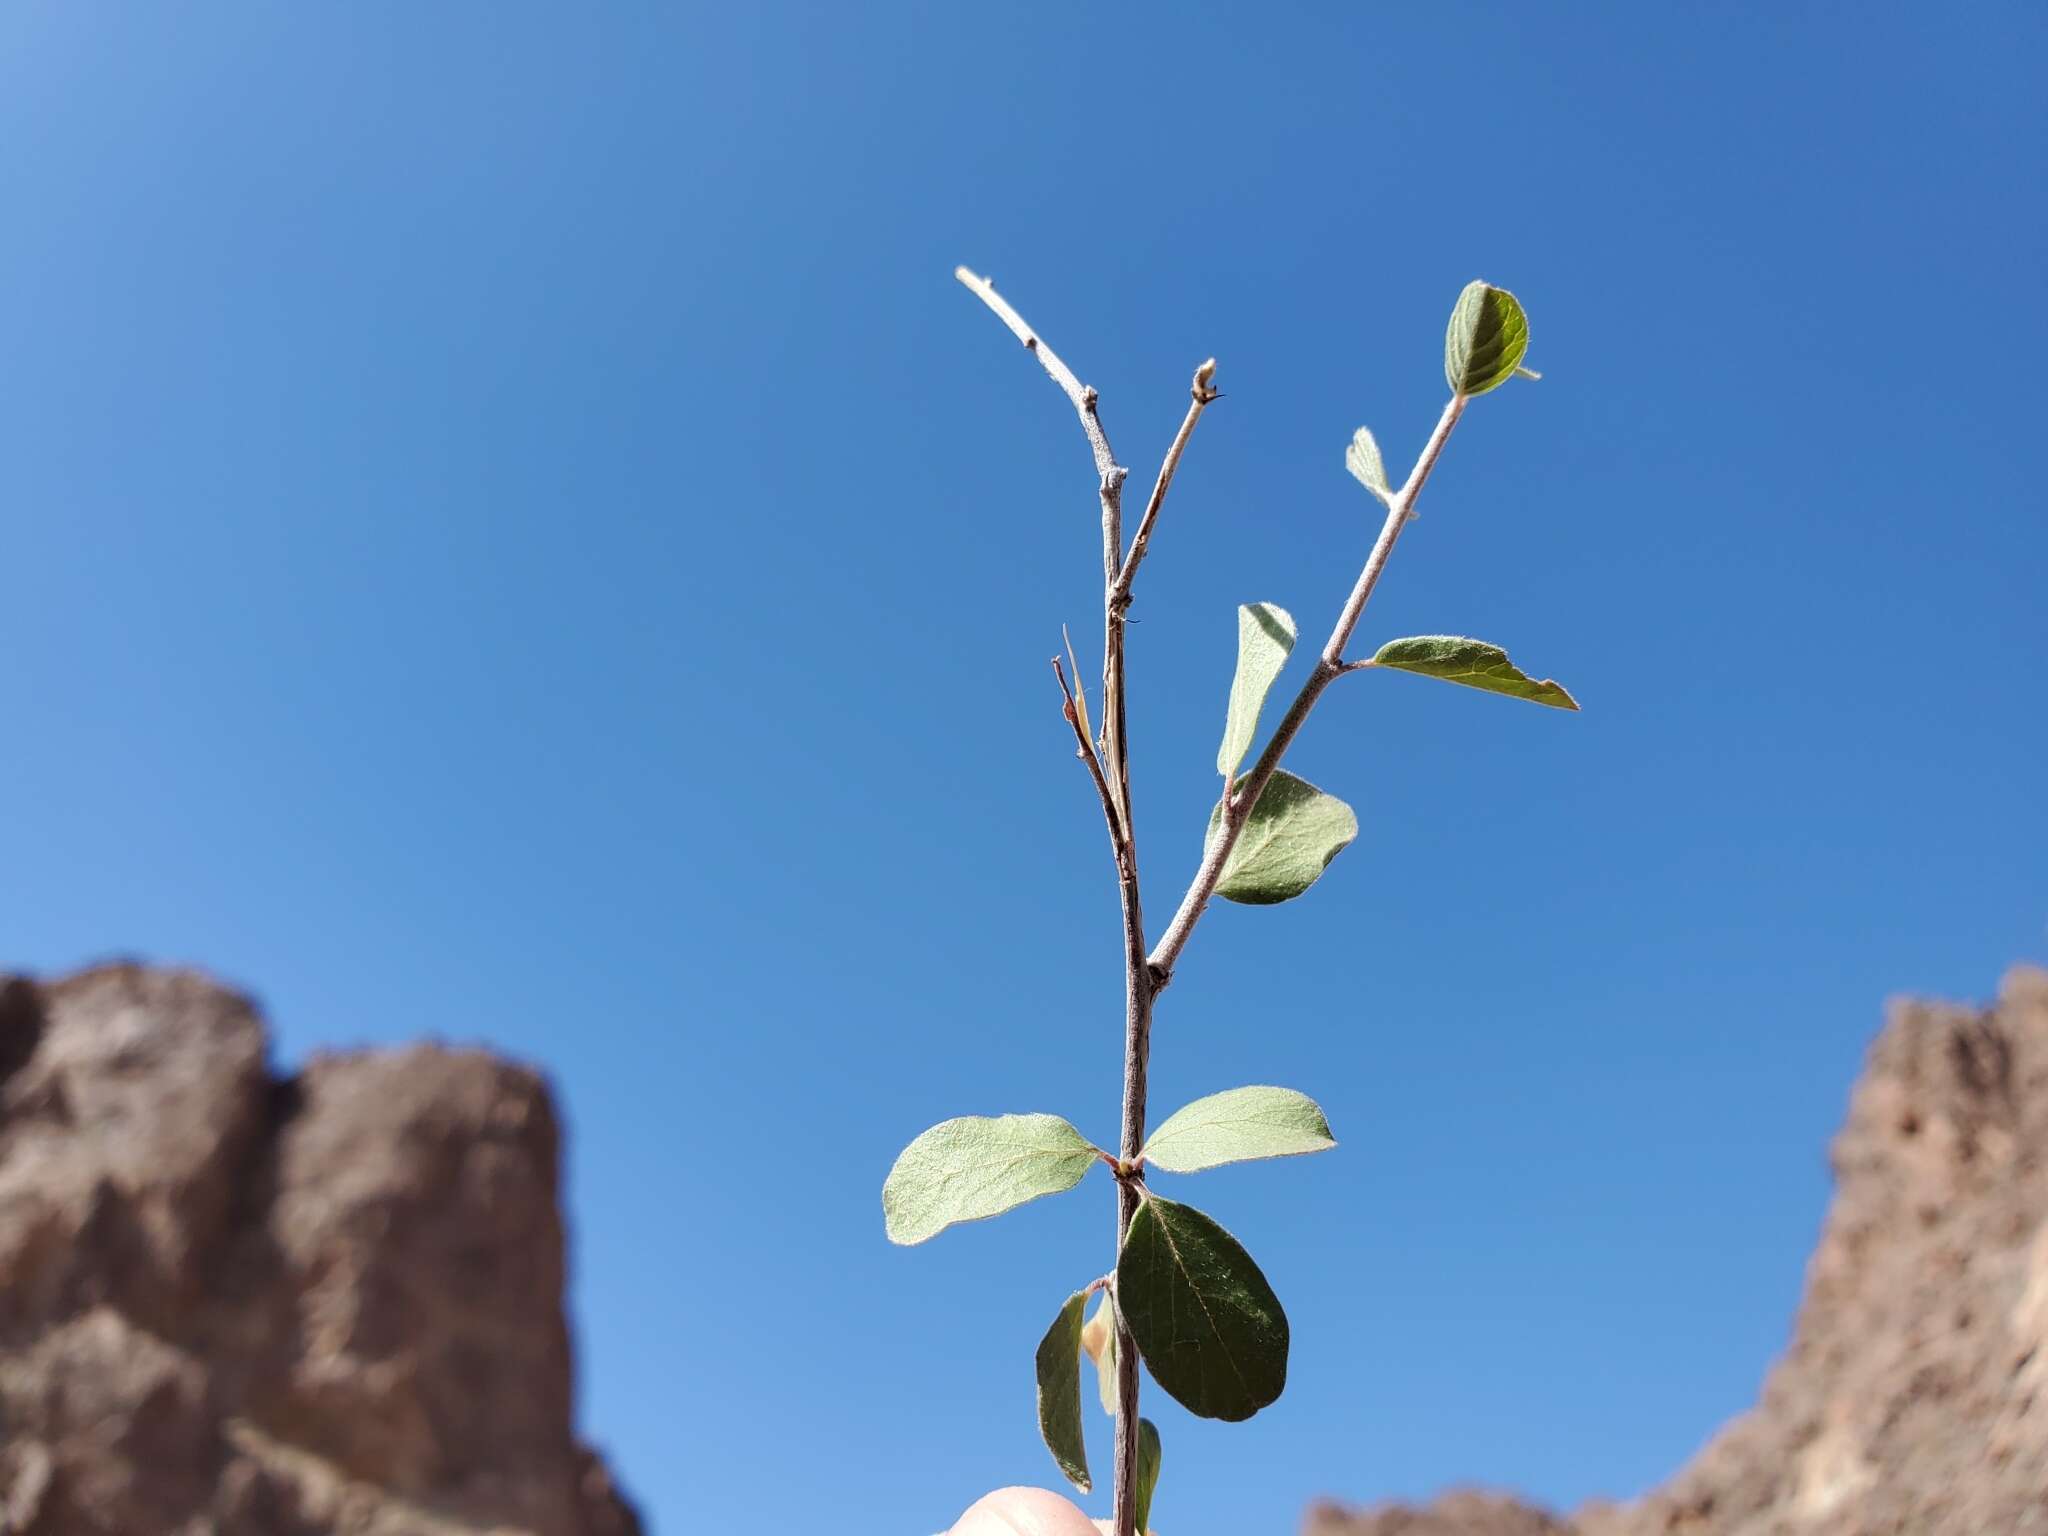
(511, 532)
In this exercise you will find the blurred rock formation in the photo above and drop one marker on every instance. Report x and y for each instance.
(235, 1304)
(1913, 1400)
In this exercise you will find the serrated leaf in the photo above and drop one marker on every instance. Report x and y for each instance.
(1265, 635)
(1059, 1392)
(978, 1166)
(1236, 1126)
(1487, 336)
(1473, 663)
(1149, 1458)
(1294, 832)
(1207, 1324)
(1362, 458)
(1098, 1343)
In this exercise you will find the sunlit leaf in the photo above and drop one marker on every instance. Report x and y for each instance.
(1362, 458)
(1293, 833)
(1265, 634)
(1238, 1125)
(980, 1165)
(1473, 663)
(1484, 343)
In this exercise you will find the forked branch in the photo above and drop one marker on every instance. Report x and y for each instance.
(1329, 666)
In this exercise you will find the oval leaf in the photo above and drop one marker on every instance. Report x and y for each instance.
(1362, 458)
(977, 1166)
(1473, 663)
(1098, 1343)
(1265, 634)
(1237, 1126)
(1487, 336)
(1059, 1392)
(1206, 1322)
(1294, 832)
(1148, 1470)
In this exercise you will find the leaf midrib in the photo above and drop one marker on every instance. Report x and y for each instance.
(1174, 1249)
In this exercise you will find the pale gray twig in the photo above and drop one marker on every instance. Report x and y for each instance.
(1203, 394)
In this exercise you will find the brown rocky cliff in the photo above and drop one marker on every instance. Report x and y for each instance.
(1913, 1400)
(238, 1305)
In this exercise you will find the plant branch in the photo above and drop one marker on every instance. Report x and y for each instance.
(1085, 750)
(1204, 393)
(1111, 771)
(1329, 666)
(1109, 476)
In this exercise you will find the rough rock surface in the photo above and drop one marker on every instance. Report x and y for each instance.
(1913, 1400)
(238, 1305)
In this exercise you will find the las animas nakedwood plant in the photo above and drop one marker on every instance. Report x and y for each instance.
(1185, 1297)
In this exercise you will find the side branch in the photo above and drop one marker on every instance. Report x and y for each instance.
(1085, 750)
(1329, 666)
(1203, 392)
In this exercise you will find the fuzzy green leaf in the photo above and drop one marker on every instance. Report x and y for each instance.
(1294, 832)
(1148, 1470)
(1098, 1343)
(1207, 1324)
(1059, 1392)
(1265, 634)
(1236, 1126)
(1473, 663)
(1487, 336)
(977, 1166)
(1362, 458)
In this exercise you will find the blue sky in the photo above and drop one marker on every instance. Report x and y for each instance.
(513, 534)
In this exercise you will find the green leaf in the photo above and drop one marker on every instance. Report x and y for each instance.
(977, 1166)
(1098, 1343)
(1487, 336)
(1236, 1126)
(1362, 458)
(1265, 634)
(1473, 663)
(1148, 1470)
(1059, 1392)
(1294, 832)
(1206, 1322)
